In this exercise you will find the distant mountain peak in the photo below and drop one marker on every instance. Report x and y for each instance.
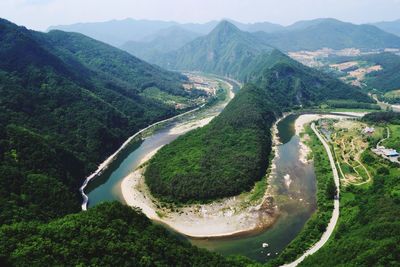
(225, 27)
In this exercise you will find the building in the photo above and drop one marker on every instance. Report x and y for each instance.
(368, 130)
(390, 152)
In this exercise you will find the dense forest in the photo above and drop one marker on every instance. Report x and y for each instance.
(388, 78)
(351, 104)
(64, 106)
(382, 117)
(291, 84)
(109, 234)
(69, 102)
(239, 141)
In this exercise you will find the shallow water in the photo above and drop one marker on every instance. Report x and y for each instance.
(296, 201)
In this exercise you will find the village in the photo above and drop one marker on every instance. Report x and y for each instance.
(210, 86)
(388, 153)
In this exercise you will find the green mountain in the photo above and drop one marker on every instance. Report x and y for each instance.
(386, 79)
(331, 33)
(232, 52)
(389, 26)
(184, 172)
(119, 32)
(226, 51)
(291, 84)
(66, 104)
(164, 41)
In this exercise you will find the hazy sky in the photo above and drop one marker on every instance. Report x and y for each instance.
(39, 14)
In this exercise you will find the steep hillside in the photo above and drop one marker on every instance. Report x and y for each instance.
(226, 51)
(66, 104)
(313, 35)
(291, 84)
(384, 79)
(389, 77)
(161, 42)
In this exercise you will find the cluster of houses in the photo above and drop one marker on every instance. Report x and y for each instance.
(368, 130)
(196, 82)
(388, 153)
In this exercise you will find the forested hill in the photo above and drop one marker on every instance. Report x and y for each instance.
(239, 141)
(232, 52)
(226, 51)
(183, 171)
(331, 33)
(109, 234)
(291, 84)
(66, 103)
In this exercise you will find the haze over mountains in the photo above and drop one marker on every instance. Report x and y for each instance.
(389, 26)
(317, 34)
(148, 39)
(118, 32)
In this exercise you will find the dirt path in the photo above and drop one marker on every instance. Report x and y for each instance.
(383, 139)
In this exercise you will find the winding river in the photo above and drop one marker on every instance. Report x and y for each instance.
(292, 180)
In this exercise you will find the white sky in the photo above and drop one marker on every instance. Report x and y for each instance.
(39, 14)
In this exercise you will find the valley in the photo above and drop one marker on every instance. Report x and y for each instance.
(140, 142)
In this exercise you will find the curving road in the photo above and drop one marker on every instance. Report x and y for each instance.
(335, 214)
(107, 162)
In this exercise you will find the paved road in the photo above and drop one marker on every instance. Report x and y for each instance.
(335, 214)
(384, 105)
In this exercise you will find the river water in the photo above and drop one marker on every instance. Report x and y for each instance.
(293, 181)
